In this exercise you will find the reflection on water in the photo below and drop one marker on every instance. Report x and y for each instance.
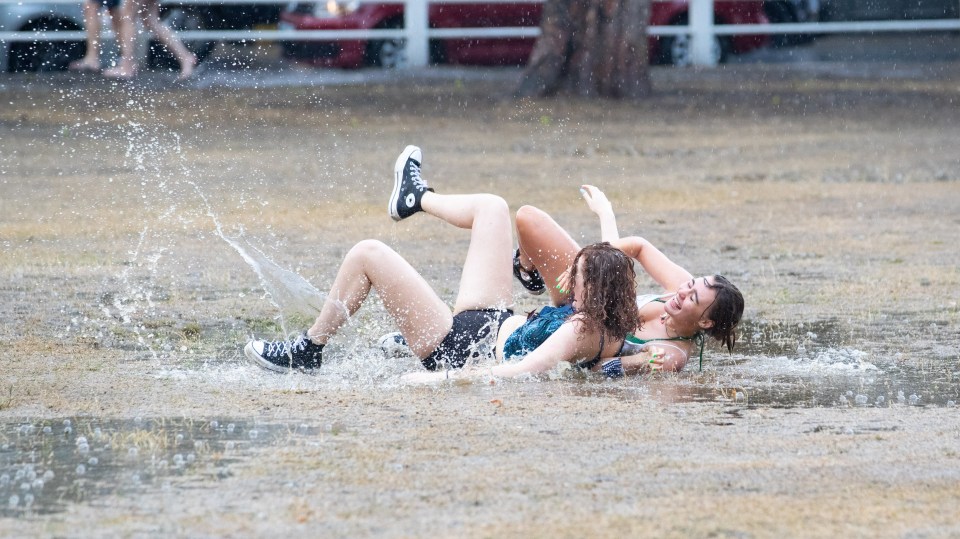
(804, 365)
(46, 465)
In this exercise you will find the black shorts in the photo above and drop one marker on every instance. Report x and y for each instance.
(109, 4)
(468, 338)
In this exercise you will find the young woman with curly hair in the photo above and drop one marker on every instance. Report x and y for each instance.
(597, 311)
(673, 321)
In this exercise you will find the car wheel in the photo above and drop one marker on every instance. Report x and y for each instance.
(45, 55)
(677, 50)
(781, 13)
(179, 19)
(389, 53)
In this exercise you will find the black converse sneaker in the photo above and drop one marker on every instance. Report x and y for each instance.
(284, 356)
(408, 186)
(531, 280)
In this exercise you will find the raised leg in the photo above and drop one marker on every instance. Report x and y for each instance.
(546, 246)
(485, 281)
(423, 318)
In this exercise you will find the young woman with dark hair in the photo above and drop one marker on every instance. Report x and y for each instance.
(674, 320)
(595, 312)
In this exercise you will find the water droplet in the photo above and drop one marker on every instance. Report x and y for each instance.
(230, 427)
(214, 424)
(48, 430)
(83, 449)
(27, 500)
(4, 480)
(179, 439)
(253, 434)
(914, 399)
(48, 475)
(67, 423)
(138, 420)
(191, 458)
(67, 430)
(951, 404)
(81, 469)
(13, 501)
(880, 400)
(230, 445)
(93, 461)
(133, 452)
(37, 484)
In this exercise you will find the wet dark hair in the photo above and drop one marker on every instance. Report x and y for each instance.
(725, 312)
(610, 291)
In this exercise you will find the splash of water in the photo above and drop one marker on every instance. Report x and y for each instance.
(149, 151)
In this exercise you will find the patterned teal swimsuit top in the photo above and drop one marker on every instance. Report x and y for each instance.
(537, 329)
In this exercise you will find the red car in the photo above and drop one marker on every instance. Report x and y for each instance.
(353, 53)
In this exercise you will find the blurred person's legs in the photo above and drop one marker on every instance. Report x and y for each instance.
(149, 13)
(91, 23)
(124, 27)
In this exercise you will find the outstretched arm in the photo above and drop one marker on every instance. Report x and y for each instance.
(600, 205)
(661, 269)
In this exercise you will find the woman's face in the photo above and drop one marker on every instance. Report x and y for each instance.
(688, 305)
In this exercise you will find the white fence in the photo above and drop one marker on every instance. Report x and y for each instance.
(417, 33)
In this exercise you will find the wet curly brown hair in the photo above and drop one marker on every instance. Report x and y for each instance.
(610, 295)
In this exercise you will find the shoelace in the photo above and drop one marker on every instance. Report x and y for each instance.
(415, 176)
(283, 348)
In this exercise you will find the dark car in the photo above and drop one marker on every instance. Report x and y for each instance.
(352, 53)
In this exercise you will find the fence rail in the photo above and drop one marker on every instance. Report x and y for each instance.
(417, 32)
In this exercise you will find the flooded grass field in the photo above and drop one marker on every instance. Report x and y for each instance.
(148, 231)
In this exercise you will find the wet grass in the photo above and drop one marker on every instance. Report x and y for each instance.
(832, 203)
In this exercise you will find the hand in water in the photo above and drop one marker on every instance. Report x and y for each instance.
(656, 358)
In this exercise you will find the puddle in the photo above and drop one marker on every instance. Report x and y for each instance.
(47, 465)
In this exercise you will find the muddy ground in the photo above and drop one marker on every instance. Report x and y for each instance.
(830, 194)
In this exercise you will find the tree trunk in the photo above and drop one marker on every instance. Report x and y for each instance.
(590, 48)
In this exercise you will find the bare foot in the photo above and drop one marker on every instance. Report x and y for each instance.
(120, 72)
(187, 68)
(84, 66)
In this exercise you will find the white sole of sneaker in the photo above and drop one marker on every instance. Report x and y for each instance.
(398, 181)
(253, 356)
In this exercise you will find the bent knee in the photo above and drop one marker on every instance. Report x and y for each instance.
(368, 249)
(529, 217)
(495, 203)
